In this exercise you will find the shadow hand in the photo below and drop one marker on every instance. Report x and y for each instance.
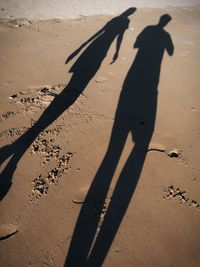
(73, 55)
(114, 58)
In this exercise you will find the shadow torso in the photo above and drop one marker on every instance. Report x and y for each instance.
(91, 59)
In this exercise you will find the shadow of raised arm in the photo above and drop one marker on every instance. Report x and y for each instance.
(83, 45)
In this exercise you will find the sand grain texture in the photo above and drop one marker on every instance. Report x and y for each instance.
(161, 226)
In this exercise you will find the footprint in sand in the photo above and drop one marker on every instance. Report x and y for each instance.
(101, 79)
(7, 230)
(193, 109)
(80, 195)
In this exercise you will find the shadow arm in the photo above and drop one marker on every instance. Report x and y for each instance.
(140, 39)
(118, 45)
(136, 44)
(83, 45)
(170, 47)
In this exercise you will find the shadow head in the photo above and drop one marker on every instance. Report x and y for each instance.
(128, 12)
(164, 20)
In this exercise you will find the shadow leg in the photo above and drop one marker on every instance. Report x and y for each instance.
(88, 219)
(17, 149)
(119, 203)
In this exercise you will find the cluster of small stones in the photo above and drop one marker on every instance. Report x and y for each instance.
(51, 90)
(17, 23)
(180, 195)
(33, 100)
(42, 184)
(54, 131)
(7, 115)
(45, 147)
(196, 177)
(13, 132)
(37, 99)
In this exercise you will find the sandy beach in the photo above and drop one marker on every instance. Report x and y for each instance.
(100, 139)
(67, 9)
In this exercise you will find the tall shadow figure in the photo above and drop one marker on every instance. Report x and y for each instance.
(136, 113)
(83, 70)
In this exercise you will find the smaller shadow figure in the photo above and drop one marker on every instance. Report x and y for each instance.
(83, 71)
(136, 113)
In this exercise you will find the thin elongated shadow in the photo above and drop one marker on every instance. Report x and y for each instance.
(83, 70)
(136, 113)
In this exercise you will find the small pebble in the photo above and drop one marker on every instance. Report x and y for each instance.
(173, 153)
(12, 96)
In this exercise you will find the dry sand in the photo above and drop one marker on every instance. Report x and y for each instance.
(161, 226)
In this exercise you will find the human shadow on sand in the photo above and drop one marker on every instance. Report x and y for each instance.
(136, 113)
(83, 70)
